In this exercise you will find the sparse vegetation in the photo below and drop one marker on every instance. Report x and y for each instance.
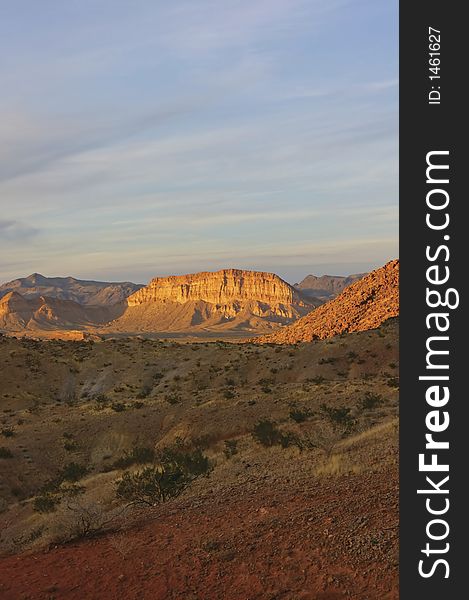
(300, 415)
(5, 452)
(139, 455)
(339, 418)
(266, 433)
(177, 467)
(226, 400)
(231, 448)
(46, 503)
(370, 401)
(73, 472)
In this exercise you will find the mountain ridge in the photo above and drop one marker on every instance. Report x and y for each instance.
(326, 287)
(82, 291)
(363, 305)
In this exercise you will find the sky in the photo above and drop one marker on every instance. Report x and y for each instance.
(141, 138)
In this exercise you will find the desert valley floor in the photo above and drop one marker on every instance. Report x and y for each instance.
(297, 497)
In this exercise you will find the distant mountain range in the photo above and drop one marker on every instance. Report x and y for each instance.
(98, 293)
(326, 286)
(254, 302)
(229, 299)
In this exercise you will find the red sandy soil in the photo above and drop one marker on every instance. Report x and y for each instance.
(329, 538)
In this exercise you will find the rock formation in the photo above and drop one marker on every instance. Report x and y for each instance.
(361, 306)
(226, 299)
(98, 293)
(18, 313)
(326, 287)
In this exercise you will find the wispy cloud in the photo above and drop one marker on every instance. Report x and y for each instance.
(161, 134)
(11, 230)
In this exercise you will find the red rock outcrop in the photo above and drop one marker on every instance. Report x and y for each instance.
(361, 306)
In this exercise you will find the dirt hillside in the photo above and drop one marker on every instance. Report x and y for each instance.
(361, 306)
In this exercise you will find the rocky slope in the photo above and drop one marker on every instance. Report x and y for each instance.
(226, 299)
(361, 306)
(68, 288)
(326, 287)
(18, 313)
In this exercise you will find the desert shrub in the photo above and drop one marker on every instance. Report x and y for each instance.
(231, 448)
(8, 432)
(318, 379)
(34, 534)
(266, 433)
(73, 472)
(339, 417)
(172, 398)
(101, 399)
(203, 441)
(72, 490)
(118, 406)
(138, 404)
(139, 455)
(370, 401)
(152, 485)
(300, 415)
(46, 503)
(70, 446)
(323, 437)
(352, 355)
(144, 392)
(82, 521)
(393, 382)
(5, 452)
(327, 360)
(287, 439)
(192, 461)
(228, 394)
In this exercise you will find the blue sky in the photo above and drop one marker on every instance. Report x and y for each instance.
(144, 137)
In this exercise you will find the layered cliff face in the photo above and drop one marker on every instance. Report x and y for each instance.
(361, 306)
(226, 299)
(220, 287)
